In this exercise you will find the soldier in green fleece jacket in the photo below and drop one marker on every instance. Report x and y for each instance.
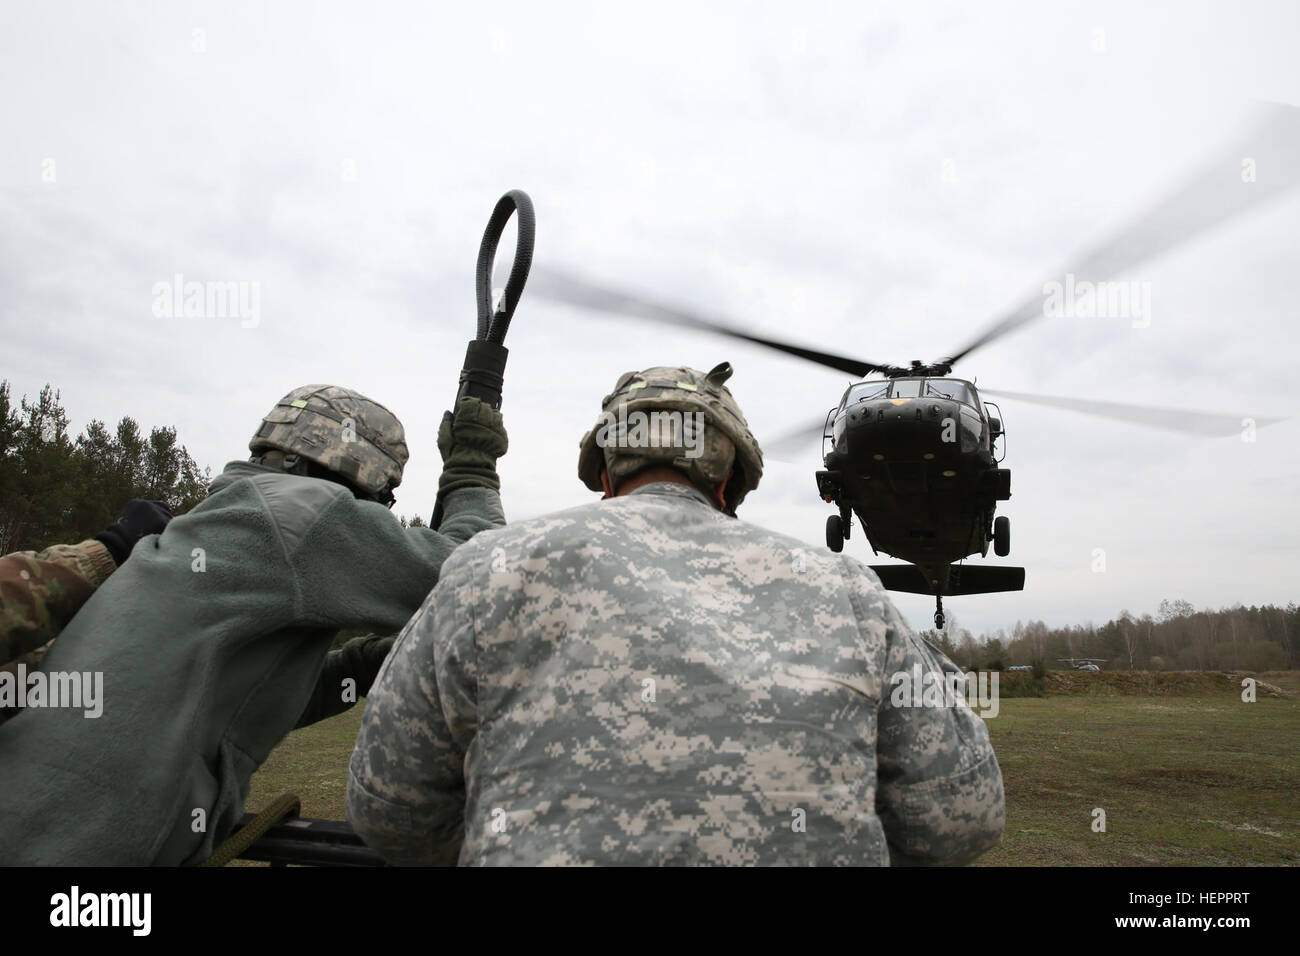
(211, 642)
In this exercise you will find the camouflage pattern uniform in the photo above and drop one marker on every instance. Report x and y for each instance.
(40, 591)
(645, 680)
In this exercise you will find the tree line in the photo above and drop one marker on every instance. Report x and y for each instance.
(58, 489)
(1177, 637)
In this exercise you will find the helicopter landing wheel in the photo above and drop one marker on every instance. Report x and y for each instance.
(1002, 536)
(835, 533)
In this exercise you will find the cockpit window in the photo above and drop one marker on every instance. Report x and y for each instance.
(911, 388)
(948, 388)
(867, 390)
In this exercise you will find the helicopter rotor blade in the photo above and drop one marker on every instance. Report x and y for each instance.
(568, 289)
(1217, 424)
(790, 444)
(1216, 194)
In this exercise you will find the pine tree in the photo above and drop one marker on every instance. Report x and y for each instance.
(56, 490)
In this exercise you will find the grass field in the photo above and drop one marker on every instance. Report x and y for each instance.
(1204, 780)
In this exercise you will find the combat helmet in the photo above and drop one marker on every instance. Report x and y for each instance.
(341, 431)
(632, 434)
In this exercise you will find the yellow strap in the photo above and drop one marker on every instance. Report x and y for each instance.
(285, 805)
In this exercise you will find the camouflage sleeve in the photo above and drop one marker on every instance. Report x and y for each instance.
(40, 591)
(406, 782)
(939, 789)
(357, 661)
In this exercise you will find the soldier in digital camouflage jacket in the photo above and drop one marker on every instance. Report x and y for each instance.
(646, 680)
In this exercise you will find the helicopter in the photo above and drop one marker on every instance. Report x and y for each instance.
(915, 454)
(1082, 663)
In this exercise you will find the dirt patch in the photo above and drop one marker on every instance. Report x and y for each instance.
(1248, 827)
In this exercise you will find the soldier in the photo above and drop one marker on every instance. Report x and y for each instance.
(210, 642)
(41, 590)
(648, 680)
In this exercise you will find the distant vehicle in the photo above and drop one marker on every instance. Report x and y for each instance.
(1020, 667)
(1082, 663)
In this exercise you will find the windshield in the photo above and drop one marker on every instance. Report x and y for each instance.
(912, 388)
(866, 390)
(949, 388)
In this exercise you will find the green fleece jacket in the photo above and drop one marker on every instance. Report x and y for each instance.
(210, 641)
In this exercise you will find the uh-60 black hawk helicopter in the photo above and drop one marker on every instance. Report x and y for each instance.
(916, 453)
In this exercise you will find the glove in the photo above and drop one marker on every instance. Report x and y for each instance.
(137, 519)
(470, 445)
(362, 657)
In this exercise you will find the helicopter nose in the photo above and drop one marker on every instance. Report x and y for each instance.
(862, 414)
(896, 430)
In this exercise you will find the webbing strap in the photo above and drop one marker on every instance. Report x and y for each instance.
(285, 805)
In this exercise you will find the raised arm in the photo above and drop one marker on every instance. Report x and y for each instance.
(378, 573)
(470, 445)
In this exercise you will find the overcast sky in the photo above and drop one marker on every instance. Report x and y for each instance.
(880, 183)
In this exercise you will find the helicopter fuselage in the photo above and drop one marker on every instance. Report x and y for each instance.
(915, 459)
